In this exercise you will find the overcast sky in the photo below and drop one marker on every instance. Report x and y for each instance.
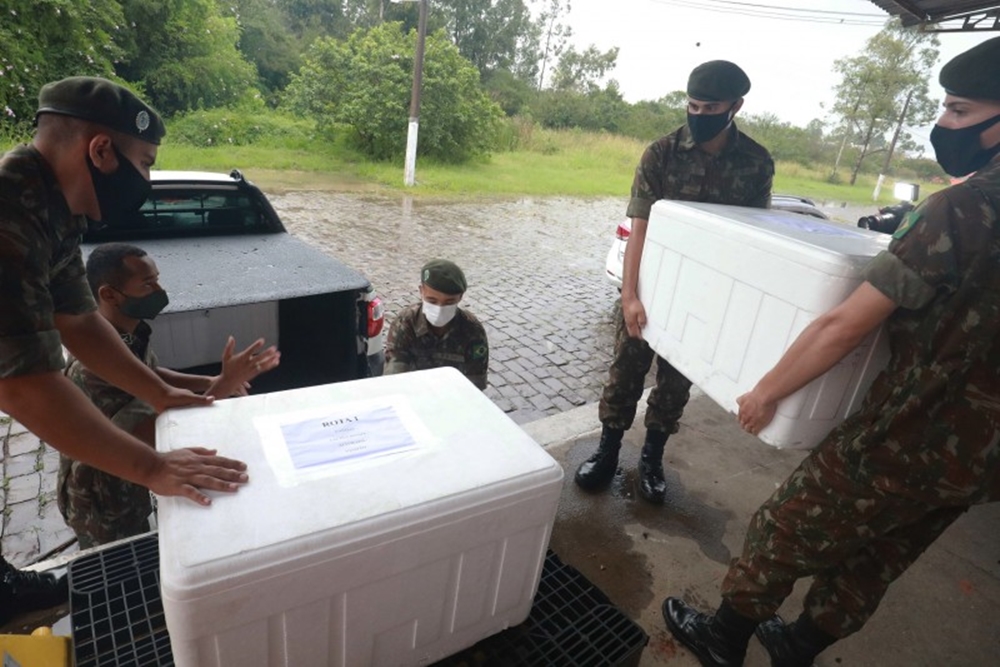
(790, 62)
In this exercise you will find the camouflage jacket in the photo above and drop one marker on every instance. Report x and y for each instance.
(413, 346)
(41, 268)
(936, 408)
(81, 487)
(673, 167)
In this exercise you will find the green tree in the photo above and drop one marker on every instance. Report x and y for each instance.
(365, 83)
(267, 41)
(46, 40)
(583, 72)
(493, 34)
(184, 51)
(554, 35)
(882, 90)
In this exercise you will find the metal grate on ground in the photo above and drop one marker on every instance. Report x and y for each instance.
(115, 608)
(571, 624)
(117, 618)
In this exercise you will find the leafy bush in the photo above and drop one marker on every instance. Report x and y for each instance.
(366, 81)
(242, 126)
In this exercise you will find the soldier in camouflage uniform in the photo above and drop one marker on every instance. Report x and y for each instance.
(90, 157)
(124, 280)
(865, 504)
(436, 332)
(707, 160)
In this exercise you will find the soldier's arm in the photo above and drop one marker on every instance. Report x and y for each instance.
(53, 409)
(97, 345)
(762, 198)
(816, 350)
(398, 357)
(632, 309)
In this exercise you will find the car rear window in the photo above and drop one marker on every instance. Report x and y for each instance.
(174, 211)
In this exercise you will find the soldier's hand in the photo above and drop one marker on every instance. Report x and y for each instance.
(175, 397)
(635, 317)
(755, 412)
(186, 472)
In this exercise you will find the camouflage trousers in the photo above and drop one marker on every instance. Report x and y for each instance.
(99, 507)
(827, 522)
(632, 360)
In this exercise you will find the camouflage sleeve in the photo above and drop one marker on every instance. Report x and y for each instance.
(646, 188)
(477, 358)
(133, 413)
(762, 198)
(71, 294)
(921, 257)
(29, 342)
(398, 358)
(124, 410)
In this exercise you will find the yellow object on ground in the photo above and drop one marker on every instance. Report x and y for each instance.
(39, 649)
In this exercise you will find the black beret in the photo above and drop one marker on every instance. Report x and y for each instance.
(717, 81)
(975, 73)
(444, 276)
(103, 102)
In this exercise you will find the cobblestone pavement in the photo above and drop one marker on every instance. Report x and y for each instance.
(535, 269)
(32, 525)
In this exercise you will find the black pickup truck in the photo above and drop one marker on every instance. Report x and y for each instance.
(229, 266)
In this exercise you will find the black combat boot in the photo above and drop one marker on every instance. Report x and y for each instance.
(717, 641)
(22, 591)
(652, 486)
(795, 645)
(596, 473)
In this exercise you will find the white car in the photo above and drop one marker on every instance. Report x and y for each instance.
(616, 254)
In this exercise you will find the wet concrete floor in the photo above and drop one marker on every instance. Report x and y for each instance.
(535, 269)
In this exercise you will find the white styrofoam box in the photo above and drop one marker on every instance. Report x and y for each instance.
(728, 289)
(399, 559)
(195, 337)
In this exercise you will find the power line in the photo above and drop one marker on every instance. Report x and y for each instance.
(783, 8)
(776, 14)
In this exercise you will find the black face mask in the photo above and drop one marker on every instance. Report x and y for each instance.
(959, 151)
(143, 307)
(121, 192)
(705, 127)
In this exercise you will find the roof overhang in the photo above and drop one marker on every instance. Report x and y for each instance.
(945, 15)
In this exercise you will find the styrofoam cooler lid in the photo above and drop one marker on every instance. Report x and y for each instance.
(835, 249)
(466, 450)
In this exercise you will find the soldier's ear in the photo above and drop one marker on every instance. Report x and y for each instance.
(736, 107)
(101, 151)
(107, 294)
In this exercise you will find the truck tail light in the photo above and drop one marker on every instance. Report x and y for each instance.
(376, 316)
(623, 230)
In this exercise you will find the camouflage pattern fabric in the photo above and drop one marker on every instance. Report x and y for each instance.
(41, 269)
(924, 446)
(413, 346)
(632, 360)
(100, 507)
(674, 168)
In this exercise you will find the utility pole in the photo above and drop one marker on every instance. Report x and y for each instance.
(413, 129)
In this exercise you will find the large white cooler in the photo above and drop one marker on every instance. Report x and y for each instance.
(398, 559)
(728, 289)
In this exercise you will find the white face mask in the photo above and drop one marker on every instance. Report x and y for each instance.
(438, 316)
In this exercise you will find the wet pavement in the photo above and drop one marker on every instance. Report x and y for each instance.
(942, 611)
(535, 269)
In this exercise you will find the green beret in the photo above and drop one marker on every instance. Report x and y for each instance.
(444, 276)
(717, 81)
(974, 74)
(103, 102)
